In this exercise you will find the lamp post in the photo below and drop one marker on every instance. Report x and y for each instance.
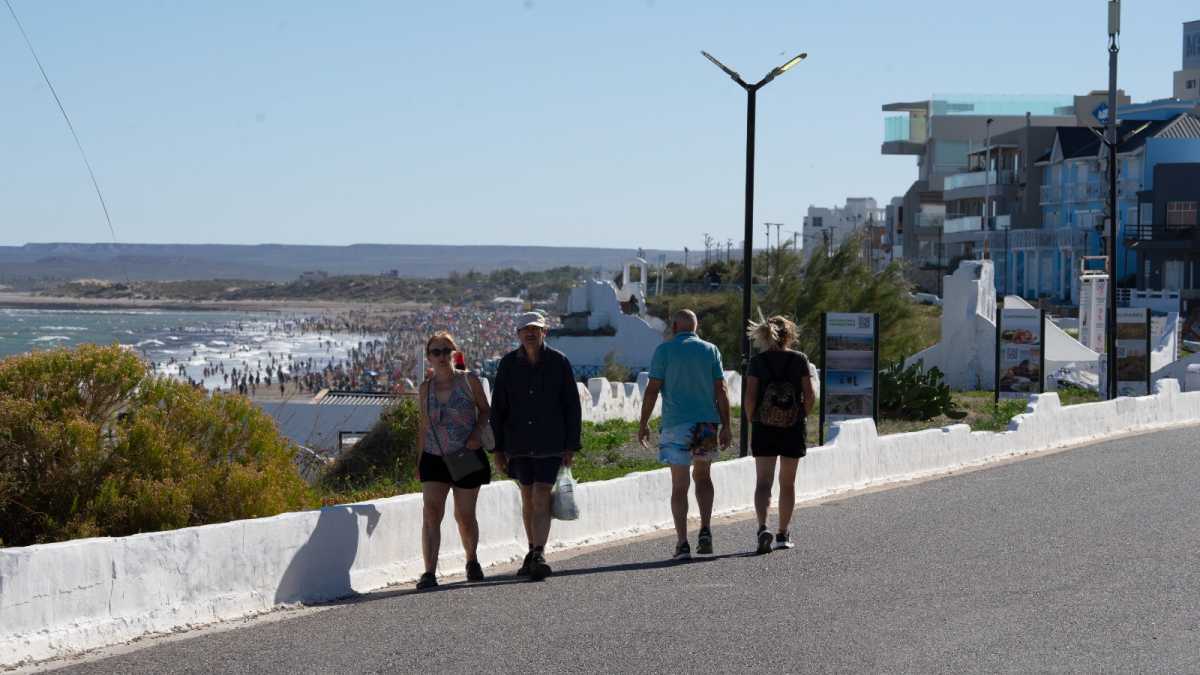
(748, 244)
(1110, 332)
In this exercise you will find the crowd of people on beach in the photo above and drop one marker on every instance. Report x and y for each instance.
(385, 357)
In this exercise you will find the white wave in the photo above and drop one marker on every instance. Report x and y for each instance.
(219, 343)
(151, 342)
(174, 338)
(50, 338)
(66, 328)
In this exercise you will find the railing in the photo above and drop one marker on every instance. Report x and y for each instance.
(927, 220)
(964, 224)
(978, 179)
(1089, 191)
(905, 129)
(1051, 194)
(1164, 233)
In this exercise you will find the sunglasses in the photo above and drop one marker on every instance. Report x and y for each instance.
(441, 351)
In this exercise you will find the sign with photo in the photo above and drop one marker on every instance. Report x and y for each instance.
(1020, 359)
(849, 367)
(1133, 351)
(1093, 295)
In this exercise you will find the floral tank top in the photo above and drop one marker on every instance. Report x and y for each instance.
(450, 423)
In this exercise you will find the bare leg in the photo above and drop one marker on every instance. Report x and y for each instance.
(764, 467)
(468, 526)
(527, 511)
(680, 482)
(541, 493)
(431, 522)
(704, 491)
(787, 490)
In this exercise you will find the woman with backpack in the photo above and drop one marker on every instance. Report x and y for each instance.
(779, 395)
(454, 417)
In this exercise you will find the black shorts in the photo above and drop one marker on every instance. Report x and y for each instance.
(528, 470)
(775, 442)
(433, 470)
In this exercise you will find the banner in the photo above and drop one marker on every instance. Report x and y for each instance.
(1133, 351)
(1093, 296)
(849, 367)
(1020, 360)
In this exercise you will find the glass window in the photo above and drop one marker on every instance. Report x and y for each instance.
(1182, 213)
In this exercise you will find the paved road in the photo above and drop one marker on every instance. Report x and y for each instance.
(1085, 560)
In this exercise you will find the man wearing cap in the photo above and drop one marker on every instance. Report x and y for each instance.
(535, 419)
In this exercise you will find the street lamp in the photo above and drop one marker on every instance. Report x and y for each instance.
(748, 244)
(1110, 332)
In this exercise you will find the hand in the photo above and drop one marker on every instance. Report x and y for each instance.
(568, 457)
(501, 461)
(644, 436)
(474, 441)
(726, 437)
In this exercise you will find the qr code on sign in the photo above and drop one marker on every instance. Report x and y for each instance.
(864, 322)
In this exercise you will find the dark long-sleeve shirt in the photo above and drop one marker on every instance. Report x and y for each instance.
(535, 408)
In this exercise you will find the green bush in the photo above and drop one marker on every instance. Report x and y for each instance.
(915, 394)
(91, 444)
(386, 455)
(615, 371)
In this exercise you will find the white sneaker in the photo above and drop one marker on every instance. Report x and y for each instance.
(783, 540)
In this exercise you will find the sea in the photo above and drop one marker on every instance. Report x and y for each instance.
(181, 344)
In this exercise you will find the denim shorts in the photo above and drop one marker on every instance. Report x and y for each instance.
(674, 446)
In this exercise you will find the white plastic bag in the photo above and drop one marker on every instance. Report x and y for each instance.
(562, 505)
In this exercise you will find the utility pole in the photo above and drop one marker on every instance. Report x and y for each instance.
(1110, 333)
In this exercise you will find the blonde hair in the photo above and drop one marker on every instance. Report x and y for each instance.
(777, 332)
(441, 335)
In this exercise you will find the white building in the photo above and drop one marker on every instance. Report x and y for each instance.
(828, 228)
(604, 318)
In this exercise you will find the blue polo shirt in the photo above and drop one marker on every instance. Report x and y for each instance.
(688, 367)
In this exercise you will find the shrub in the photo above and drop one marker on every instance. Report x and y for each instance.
(915, 394)
(615, 371)
(91, 444)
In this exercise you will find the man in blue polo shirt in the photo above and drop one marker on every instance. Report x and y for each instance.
(688, 372)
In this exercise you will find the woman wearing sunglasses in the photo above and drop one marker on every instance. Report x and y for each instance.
(454, 412)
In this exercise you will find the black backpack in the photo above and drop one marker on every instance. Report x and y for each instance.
(781, 403)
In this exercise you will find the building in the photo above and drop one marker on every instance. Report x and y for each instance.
(1166, 237)
(942, 132)
(828, 228)
(1187, 78)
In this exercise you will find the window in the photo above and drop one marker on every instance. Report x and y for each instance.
(1172, 275)
(1191, 84)
(1182, 213)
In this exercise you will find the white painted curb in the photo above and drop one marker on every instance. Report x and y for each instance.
(59, 599)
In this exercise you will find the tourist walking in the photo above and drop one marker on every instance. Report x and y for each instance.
(454, 413)
(779, 396)
(688, 372)
(536, 419)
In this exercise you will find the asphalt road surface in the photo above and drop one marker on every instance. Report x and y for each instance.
(1084, 560)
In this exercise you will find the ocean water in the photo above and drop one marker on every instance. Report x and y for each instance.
(180, 344)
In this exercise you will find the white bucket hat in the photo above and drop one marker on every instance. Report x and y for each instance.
(531, 319)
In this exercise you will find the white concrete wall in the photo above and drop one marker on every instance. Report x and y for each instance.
(58, 599)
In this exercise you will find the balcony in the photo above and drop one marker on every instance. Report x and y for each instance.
(904, 134)
(978, 179)
(931, 220)
(964, 224)
(1163, 236)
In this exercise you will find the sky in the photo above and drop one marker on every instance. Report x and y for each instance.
(527, 122)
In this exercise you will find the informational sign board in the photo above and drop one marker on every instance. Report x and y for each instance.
(1093, 296)
(1133, 351)
(1020, 359)
(849, 368)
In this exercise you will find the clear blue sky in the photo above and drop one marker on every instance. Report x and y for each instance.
(503, 121)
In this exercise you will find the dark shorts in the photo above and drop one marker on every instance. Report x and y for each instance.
(528, 470)
(433, 470)
(775, 442)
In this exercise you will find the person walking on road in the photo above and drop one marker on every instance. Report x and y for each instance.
(536, 420)
(779, 396)
(688, 373)
(454, 413)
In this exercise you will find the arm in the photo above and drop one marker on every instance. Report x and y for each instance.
(751, 401)
(722, 396)
(572, 413)
(482, 411)
(500, 410)
(648, 401)
(423, 425)
(810, 396)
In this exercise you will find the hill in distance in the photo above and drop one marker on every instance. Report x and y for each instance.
(285, 262)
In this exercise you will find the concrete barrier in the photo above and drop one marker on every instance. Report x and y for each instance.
(58, 599)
